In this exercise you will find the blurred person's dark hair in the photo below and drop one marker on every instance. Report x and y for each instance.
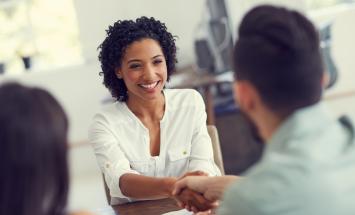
(122, 34)
(33, 152)
(278, 52)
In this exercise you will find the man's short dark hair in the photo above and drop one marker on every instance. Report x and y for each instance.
(278, 52)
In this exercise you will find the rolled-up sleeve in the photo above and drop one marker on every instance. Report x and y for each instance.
(111, 159)
(201, 157)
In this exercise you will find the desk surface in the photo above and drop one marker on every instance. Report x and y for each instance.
(151, 207)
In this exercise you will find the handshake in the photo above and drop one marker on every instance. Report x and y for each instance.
(197, 192)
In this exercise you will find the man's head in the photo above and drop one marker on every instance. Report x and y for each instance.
(277, 61)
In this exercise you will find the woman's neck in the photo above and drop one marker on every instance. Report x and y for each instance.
(151, 109)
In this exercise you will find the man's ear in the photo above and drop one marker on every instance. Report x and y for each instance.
(245, 95)
(325, 79)
(236, 92)
(241, 96)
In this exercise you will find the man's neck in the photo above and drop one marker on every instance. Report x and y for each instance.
(268, 123)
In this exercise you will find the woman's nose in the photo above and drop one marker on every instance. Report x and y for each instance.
(149, 73)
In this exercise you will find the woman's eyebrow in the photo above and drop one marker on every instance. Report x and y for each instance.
(134, 60)
(137, 60)
(159, 55)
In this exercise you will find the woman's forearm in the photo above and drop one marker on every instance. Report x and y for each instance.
(145, 187)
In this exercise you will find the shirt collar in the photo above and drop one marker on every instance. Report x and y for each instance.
(300, 123)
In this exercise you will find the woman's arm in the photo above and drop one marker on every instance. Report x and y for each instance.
(110, 158)
(154, 187)
(201, 157)
(146, 187)
(212, 188)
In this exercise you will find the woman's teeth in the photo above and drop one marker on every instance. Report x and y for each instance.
(149, 86)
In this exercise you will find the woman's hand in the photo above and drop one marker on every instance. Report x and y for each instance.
(212, 188)
(193, 173)
(192, 200)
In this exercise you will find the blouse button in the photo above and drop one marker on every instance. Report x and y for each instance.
(107, 165)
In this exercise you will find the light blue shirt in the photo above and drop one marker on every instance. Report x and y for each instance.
(308, 167)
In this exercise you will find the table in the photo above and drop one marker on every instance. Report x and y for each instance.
(149, 207)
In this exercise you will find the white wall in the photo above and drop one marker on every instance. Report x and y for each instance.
(180, 16)
(343, 44)
(341, 97)
(238, 8)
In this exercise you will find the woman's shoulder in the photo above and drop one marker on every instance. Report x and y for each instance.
(113, 111)
(183, 96)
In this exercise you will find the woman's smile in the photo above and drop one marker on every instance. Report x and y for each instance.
(149, 86)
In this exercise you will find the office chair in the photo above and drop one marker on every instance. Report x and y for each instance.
(217, 153)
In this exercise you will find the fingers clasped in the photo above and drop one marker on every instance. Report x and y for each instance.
(189, 198)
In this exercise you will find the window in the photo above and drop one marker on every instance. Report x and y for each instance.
(43, 33)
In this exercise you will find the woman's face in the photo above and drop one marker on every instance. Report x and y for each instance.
(144, 70)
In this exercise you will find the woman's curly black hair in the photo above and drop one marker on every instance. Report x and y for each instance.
(119, 36)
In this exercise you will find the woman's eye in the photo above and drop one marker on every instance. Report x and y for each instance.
(134, 66)
(157, 61)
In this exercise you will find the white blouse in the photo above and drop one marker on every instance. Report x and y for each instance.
(121, 141)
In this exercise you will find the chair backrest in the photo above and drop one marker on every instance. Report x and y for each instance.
(217, 153)
(107, 190)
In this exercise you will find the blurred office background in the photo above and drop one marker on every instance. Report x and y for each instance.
(53, 44)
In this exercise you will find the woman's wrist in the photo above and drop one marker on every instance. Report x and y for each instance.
(168, 185)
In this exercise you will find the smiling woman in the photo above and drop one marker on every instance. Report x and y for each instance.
(143, 71)
(151, 135)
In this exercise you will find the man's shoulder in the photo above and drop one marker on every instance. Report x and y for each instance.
(270, 187)
(257, 193)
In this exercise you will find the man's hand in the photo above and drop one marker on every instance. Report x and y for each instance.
(193, 173)
(211, 188)
(197, 183)
(193, 201)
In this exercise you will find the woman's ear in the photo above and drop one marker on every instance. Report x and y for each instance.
(118, 73)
